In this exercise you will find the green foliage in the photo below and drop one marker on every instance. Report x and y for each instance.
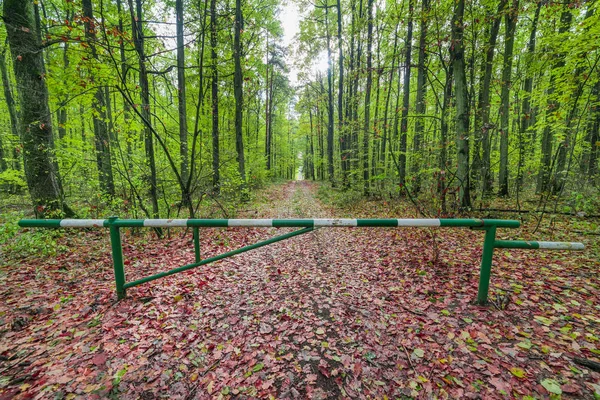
(13, 180)
(16, 243)
(337, 197)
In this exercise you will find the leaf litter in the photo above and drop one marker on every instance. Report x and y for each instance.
(337, 313)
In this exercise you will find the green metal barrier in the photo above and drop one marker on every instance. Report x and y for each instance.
(115, 224)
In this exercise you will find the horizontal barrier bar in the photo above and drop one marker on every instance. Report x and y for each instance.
(277, 223)
(522, 244)
(216, 258)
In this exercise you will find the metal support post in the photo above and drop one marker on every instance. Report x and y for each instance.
(196, 243)
(117, 256)
(486, 265)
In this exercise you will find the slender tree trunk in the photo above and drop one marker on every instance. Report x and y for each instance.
(8, 97)
(138, 39)
(386, 123)
(482, 117)
(367, 133)
(101, 134)
(330, 167)
(594, 134)
(215, 96)
(238, 92)
(62, 110)
(41, 171)
(421, 106)
(182, 104)
(526, 110)
(340, 105)
(406, 96)
(509, 40)
(443, 161)
(126, 106)
(552, 109)
(462, 105)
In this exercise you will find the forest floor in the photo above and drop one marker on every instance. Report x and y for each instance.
(336, 313)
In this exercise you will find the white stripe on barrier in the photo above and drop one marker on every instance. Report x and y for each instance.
(81, 223)
(165, 223)
(334, 222)
(419, 222)
(250, 222)
(561, 245)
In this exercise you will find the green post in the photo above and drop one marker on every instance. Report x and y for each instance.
(196, 243)
(485, 271)
(117, 255)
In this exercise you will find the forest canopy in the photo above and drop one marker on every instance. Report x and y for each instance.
(147, 108)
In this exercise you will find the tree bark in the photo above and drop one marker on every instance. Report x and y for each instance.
(421, 106)
(509, 40)
(462, 105)
(215, 96)
(182, 104)
(366, 130)
(41, 172)
(482, 117)
(552, 109)
(526, 109)
(405, 97)
(138, 40)
(238, 92)
(101, 134)
(330, 166)
(341, 127)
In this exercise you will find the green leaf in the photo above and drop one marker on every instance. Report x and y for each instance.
(552, 386)
(526, 344)
(518, 372)
(258, 367)
(418, 353)
(543, 320)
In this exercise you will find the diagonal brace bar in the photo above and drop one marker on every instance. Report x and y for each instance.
(217, 258)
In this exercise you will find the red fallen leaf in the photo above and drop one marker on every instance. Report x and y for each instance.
(100, 359)
(357, 369)
(570, 388)
(265, 328)
(499, 384)
(311, 378)
(278, 271)
(267, 384)
(324, 371)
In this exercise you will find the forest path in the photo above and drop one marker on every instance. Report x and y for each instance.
(334, 313)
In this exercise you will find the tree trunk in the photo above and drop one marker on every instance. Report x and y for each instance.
(421, 106)
(41, 173)
(8, 97)
(594, 134)
(366, 131)
(101, 134)
(526, 110)
(553, 106)
(62, 110)
(462, 105)
(182, 104)
(330, 167)
(482, 118)
(238, 92)
(386, 124)
(138, 39)
(509, 40)
(406, 96)
(443, 162)
(215, 96)
(341, 127)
